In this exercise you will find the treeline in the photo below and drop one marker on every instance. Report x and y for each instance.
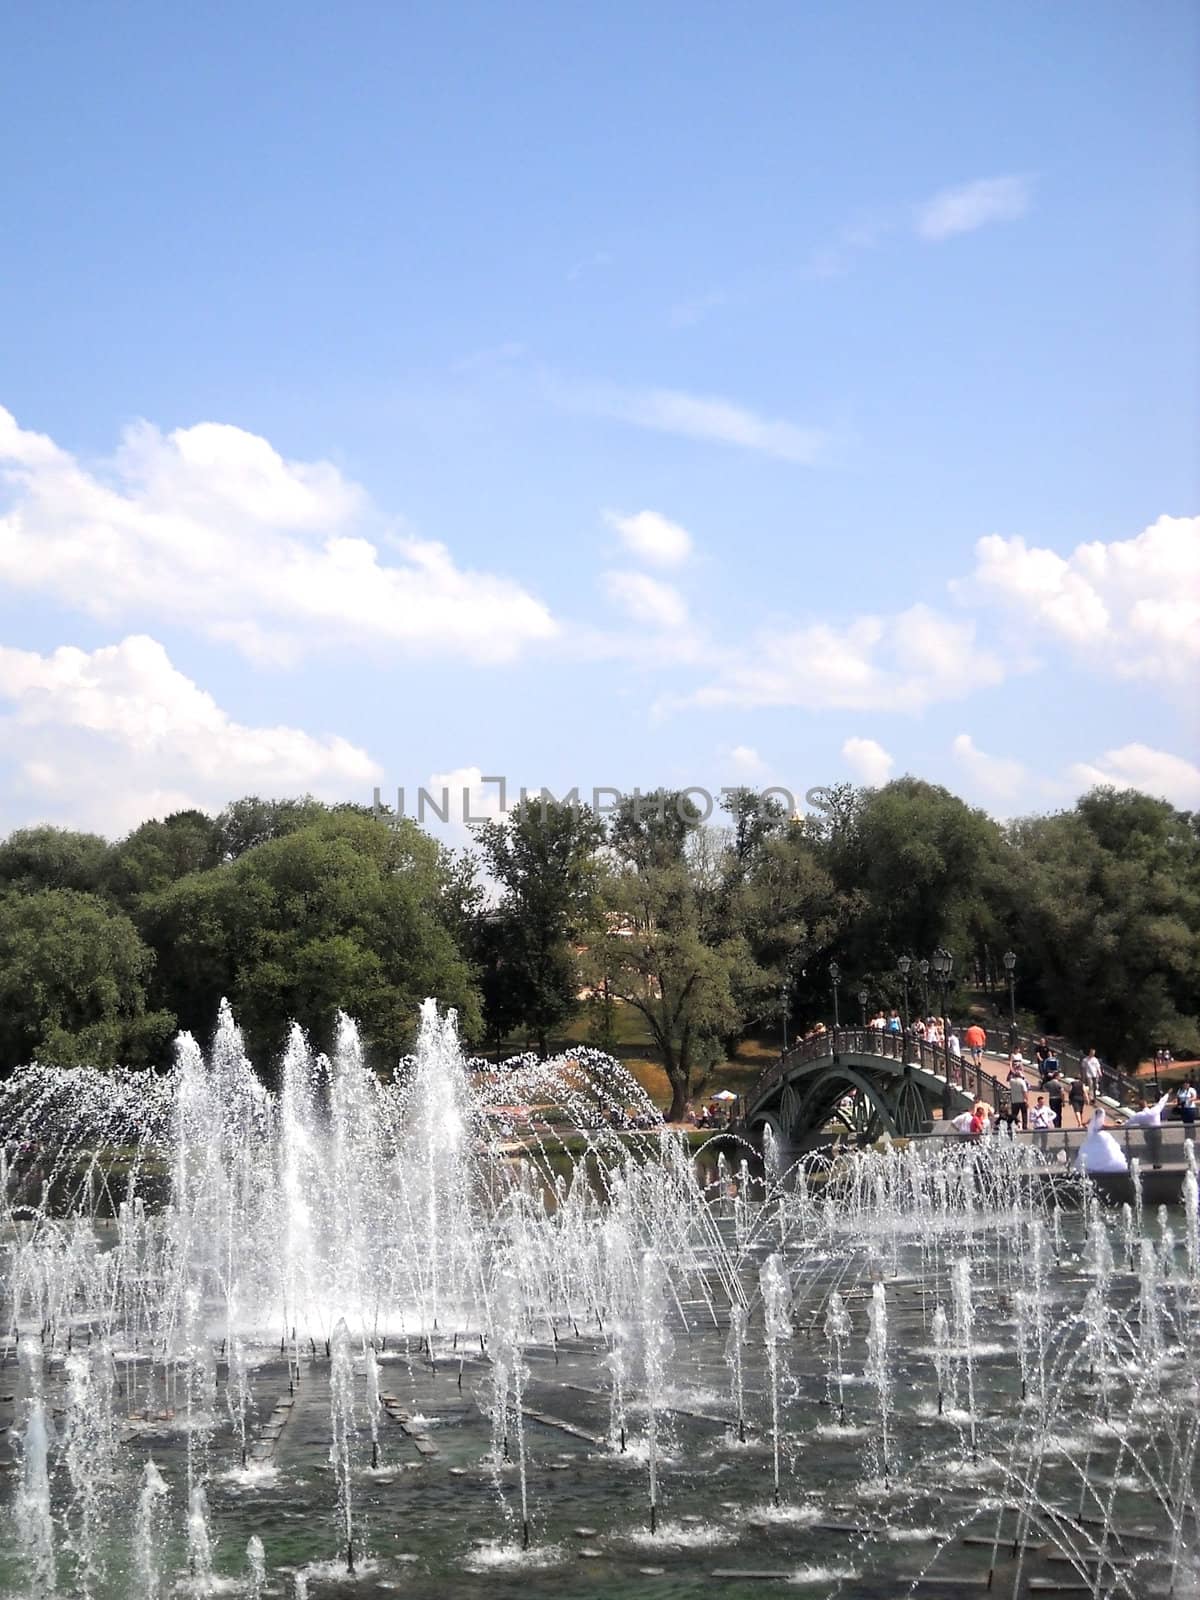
(294, 910)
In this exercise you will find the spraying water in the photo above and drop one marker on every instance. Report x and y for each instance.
(777, 1329)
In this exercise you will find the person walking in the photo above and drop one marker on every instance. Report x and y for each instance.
(975, 1040)
(1185, 1098)
(1077, 1096)
(1042, 1119)
(954, 1050)
(1053, 1086)
(1092, 1074)
(1018, 1093)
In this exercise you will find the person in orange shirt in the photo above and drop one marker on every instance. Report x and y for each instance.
(975, 1039)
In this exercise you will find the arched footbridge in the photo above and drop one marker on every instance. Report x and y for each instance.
(863, 1083)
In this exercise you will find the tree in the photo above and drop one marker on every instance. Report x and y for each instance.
(1109, 909)
(250, 821)
(160, 853)
(73, 976)
(343, 913)
(924, 869)
(543, 856)
(652, 956)
(663, 947)
(52, 858)
(791, 913)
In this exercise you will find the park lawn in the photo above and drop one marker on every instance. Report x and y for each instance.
(636, 1052)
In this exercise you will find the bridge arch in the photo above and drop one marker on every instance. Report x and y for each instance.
(898, 1084)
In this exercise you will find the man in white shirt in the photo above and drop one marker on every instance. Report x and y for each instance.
(1092, 1071)
(1041, 1119)
(1149, 1118)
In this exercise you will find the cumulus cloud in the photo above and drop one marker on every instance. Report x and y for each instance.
(647, 599)
(1138, 766)
(746, 761)
(708, 417)
(1130, 606)
(210, 527)
(652, 537)
(998, 778)
(109, 737)
(868, 761)
(971, 206)
(900, 663)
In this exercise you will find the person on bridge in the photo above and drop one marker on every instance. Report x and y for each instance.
(1092, 1074)
(975, 1039)
(1186, 1097)
(1077, 1096)
(1018, 1092)
(1042, 1119)
(1053, 1086)
(1100, 1152)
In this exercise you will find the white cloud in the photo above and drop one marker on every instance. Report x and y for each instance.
(1131, 606)
(746, 761)
(899, 663)
(463, 795)
(868, 761)
(652, 537)
(996, 777)
(971, 206)
(107, 738)
(647, 599)
(209, 526)
(1138, 766)
(708, 417)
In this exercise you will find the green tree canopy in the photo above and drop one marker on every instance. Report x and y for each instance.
(1109, 912)
(73, 976)
(160, 853)
(344, 913)
(52, 858)
(543, 857)
(665, 945)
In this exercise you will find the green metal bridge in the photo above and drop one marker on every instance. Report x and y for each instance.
(863, 1083)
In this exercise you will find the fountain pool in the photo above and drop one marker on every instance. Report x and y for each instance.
(365, 1339)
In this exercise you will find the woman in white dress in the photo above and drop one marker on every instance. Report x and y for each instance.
(1100, 1152)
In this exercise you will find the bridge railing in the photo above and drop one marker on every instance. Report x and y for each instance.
(1117, 1085)
(958, 1071)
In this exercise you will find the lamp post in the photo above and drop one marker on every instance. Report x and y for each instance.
(924, 970)
(862, 1000)
(1010, 966)
(835, 973)
(942, 965)
(904, 966)
(785, 987)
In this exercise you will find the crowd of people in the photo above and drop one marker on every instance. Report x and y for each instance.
(1039, 1094)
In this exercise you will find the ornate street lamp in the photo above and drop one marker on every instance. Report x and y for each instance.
(835, 973)
(862, 1000)
(785, 989)
(941, 964)
(1010, 966)
(923, 967)
(904, 967)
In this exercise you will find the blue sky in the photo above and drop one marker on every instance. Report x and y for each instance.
(596, 395)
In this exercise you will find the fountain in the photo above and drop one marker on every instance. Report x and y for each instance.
(457, 1331)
